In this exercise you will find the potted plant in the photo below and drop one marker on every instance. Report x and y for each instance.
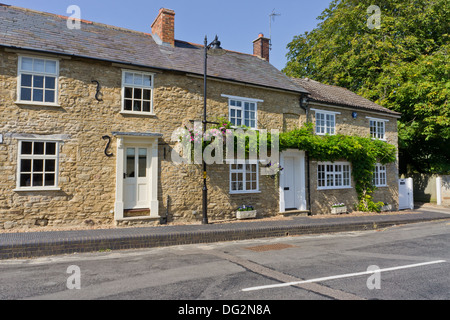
(246, 212)
(338, 208)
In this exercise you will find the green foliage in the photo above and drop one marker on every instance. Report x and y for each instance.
(403, 66)
(363, 153)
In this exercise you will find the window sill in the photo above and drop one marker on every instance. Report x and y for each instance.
(37, 189)
(244, 192)
(136, 113)
(37, 104)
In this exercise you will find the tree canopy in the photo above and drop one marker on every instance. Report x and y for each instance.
(403, 65)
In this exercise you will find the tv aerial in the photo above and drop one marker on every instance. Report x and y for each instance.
(272, 18)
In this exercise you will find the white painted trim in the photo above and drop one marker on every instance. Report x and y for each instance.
(377, 119)
(151, 88)
(19, 81)
(37, 157)
(324, 111)
(244, 174)
(241, 98)
(299, 179)
(328, 163)
(152, 144)
(242, 108)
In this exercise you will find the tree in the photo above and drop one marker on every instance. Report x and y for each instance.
(403, 65)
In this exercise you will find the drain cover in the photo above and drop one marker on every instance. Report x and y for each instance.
(270, 247)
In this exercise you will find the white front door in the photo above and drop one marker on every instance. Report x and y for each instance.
(136, 178)
(292, 180)
(289, 183)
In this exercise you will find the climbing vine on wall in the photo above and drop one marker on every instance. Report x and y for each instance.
(362, 153)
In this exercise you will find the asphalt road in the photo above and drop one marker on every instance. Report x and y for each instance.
(410, 262)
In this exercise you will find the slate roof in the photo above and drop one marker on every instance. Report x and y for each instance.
(31, 30)
(334, 95)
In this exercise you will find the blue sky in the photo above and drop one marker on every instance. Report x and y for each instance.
(236, 22)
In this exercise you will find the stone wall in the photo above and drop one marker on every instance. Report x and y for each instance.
(87, 177)
(322, 200)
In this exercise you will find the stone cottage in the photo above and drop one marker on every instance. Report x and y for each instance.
(87, 116)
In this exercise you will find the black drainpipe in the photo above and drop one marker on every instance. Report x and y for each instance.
(304, 106)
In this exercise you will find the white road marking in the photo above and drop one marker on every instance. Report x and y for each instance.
(348, 275)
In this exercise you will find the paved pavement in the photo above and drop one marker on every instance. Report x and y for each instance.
(35, 244)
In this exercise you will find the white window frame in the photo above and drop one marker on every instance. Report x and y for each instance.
(21, 72)
(377, 124)
(244, 176)
(32, 157)
(380, 174)
(331, 173)
(241, 108)
(138, 86)
(327, 128)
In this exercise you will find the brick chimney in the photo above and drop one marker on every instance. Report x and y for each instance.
(164, 26)
(261, 47)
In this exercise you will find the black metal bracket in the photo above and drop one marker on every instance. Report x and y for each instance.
(109, 155)
(98, 91)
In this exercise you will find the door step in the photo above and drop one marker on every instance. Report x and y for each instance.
(132, 213)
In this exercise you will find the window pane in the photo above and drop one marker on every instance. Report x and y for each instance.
(50, 165)
(38, 81)
(50, 83)
(27, 147)
(49, 96)
(25, 180)
(147, 94)
(137, 106)
(138, 94)
(129, 93)
(147, 81)
(146, 106)
(25, 166)
(38, 165)
(49, 179)
(38, 95)
(50, 67)
(38, 148)
(39, 65)
(142, 163)
(27, 64)
(26, 80)
(128, 105)
(131, 163)
(38, 180)
(138, 79)
(129, 78)
(25, 94)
